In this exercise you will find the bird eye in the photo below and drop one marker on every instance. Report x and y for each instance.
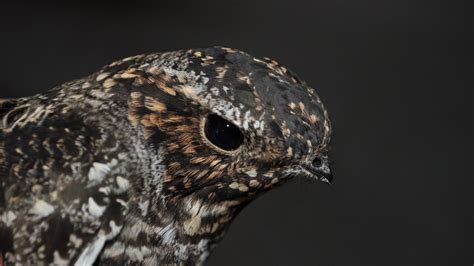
(222, 133)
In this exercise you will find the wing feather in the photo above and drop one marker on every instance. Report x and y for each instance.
(62, 193)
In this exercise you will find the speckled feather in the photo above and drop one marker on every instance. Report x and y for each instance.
(115, 167)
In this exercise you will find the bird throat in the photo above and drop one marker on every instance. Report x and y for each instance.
(182, 231)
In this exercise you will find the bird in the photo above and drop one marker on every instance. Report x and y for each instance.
(150, 159)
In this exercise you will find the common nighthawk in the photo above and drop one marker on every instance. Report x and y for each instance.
(149, 159)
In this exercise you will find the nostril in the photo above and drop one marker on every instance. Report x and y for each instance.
(317, 162)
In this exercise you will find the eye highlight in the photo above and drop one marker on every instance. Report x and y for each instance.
(221, 133)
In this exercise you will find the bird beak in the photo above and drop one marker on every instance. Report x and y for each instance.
(321, 172)
(326, 177)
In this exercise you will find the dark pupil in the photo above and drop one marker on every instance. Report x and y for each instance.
(223, 133)
(317, 162)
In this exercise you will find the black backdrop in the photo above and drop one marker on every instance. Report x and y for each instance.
(390, 72)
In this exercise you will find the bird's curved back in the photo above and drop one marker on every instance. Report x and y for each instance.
(10, 110)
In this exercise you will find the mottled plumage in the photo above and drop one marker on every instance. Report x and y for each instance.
(119, 167)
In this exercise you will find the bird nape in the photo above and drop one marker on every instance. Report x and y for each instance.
(151, 158)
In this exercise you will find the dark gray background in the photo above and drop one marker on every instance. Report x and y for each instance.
(391, 74)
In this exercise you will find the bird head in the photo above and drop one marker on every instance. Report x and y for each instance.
(227, 125)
